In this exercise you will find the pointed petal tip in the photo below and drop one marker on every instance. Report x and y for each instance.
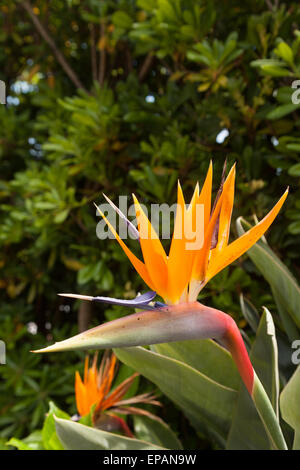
(108, 200)
(44, 350)
(77, 296)
(232, 171)
(69, 344)
(135, 199)
(98, 209)
(283, 197)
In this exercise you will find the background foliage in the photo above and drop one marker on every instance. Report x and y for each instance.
(120, 97)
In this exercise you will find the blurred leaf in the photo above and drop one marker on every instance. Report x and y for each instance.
(294, 170)
(284, 51)
(289, 405)
(61, 216)
(50, 439)
(155, 431)
(32, 442)
(283, 110)
(250, 313)
(75, 436)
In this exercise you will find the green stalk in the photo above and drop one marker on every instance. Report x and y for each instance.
(233, 341)
(267, 415)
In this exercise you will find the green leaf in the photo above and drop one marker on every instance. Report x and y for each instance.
(289, 405)
(293, 146)
(50, 439)
(282, 110)
(155, 431)
(284, 286)
(86, 273)
(294, 227)
(76, 436)
(121, 20)
(275, 71)
(61, 216)
(264, 355)
(284, 51)
(206, 356)
(250, 313)
(275, 68)
(31, 442)
(247, 431)
(4, 444)
(294, 170)
(196, 394)
(88, 419)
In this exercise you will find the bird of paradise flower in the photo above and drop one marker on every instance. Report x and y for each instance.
(178, 278)
(94, 395)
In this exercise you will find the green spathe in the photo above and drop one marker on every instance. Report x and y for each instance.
(175, 323)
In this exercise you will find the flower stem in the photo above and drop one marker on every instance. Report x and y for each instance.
(235, 344)
(267, 415)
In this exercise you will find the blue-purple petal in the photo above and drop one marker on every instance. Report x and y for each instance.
(141, 301)
(159, 305)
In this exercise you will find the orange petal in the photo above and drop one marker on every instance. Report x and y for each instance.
(225, 216)
(204, 200)
(138, 265)
(153, 252)
(80, 395)
(237, 248)
(91, 388)
(205, 195)
(178, 265)
(190, 221)
(110, 373)
(86, 369)
(119, 392)
(181, 258)
(94, 364)
(201, 260)
(108, 376)
(194, 197)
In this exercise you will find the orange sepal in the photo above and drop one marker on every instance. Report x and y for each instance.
(137, 264)
(153, 252)
(80, 394)
(237, 248)
(178, 265)
(201, 260)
